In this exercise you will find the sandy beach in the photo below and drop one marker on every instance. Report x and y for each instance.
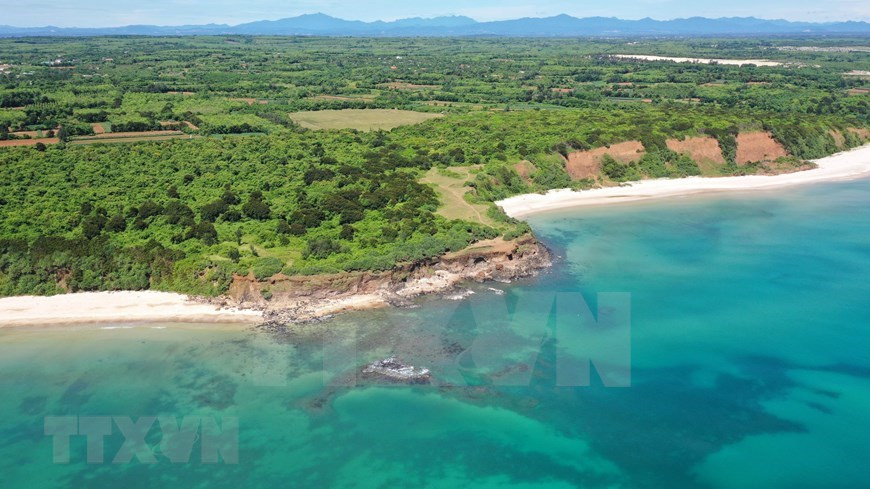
(115, 307)
(841, 166)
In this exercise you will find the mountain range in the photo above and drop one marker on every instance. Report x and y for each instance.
(558, 26)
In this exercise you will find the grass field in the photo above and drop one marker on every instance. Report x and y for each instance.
(451, 189)
(361, 119)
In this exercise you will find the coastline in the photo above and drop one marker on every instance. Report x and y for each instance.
(492, 260)
(846, 165)
(116, 307)
(293, 299)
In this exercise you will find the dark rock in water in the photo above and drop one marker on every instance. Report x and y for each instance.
(394, 370)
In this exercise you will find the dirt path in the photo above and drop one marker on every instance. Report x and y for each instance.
(452, 191)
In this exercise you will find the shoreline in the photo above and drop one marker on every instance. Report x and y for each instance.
(847, 165)
(116, 307)
(293, 300)
(437, 277)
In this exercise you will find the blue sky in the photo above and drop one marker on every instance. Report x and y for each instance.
(93, 13)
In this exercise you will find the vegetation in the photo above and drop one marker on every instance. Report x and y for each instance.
(240, 158)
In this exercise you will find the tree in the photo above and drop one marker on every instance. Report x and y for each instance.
(116, 224)
(234, 255)
(149, 209)
(283, 227)
(255, 208)
(213, 210)
(205, 231)
(92, 226)
(63, 134)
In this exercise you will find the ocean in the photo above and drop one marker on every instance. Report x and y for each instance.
(715, 341)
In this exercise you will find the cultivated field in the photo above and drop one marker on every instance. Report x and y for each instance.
(360, 119)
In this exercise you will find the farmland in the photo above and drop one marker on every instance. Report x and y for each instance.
(359, 119)
(317, 155)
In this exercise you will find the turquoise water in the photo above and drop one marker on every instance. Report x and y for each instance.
(749, 348)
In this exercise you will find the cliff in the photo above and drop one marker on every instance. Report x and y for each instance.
(286, 299)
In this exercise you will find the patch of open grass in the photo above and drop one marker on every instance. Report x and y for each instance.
(450, 185)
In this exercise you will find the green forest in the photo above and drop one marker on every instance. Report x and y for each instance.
(175, 163)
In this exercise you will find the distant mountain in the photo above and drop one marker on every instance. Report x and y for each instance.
(558, 26)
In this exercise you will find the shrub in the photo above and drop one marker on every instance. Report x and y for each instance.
(265, 268)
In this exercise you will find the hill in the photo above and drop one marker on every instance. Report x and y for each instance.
(558, 26)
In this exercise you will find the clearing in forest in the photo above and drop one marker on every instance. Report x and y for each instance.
(360, 119)
(758, 146)
(587, 164)
(451, 189)
(704, 150)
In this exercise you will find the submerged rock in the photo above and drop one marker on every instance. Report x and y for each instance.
(394, 370)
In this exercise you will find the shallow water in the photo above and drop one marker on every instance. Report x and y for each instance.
(748, 349)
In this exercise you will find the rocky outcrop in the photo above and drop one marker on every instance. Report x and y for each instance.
(285, 299)
(393, 370)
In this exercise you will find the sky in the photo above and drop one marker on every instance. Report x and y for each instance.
(103, 13)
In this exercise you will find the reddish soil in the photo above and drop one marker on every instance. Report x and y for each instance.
(563, 90)
(28, 142)
(758, 146)
(858, 91)
(624, 84)
(838, 138)
(700, 149)
(525, 170)
(864, 133)
(587, 164)
(98, 128)
(180, 93)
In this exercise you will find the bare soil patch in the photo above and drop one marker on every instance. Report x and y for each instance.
(700, 149)
(563, 90)
(587, 164)
(858, 91)
(525, 169)
(864, 133)
(758, 146)
(360, 119)
(180, 93)
(28, 142)
(98, 128)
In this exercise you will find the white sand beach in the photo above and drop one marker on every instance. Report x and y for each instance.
(841, 166)
(116, 307)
